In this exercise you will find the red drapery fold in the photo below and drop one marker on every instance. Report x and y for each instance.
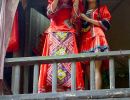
(14, 38)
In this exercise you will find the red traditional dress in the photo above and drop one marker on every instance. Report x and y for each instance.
(60, 40)
(93, 37)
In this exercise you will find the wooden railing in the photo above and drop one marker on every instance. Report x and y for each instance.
(92, 93)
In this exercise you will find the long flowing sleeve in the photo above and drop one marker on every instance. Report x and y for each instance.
(76, 13)
(105, 18)
(50, 12)
(76, 16)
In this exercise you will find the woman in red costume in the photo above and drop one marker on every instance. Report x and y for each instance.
(60, 40)
(96, 22)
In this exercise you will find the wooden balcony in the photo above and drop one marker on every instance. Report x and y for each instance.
(36, 23)
(111, 93)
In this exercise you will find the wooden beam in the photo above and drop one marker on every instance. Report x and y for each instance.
(93, 94)
(65, 58)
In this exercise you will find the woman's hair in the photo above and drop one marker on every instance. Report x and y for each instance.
(86, 5)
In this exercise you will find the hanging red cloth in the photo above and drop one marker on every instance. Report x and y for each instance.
(14, 38)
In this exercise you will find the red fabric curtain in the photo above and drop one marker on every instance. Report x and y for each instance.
(14, 38)
(7, 14)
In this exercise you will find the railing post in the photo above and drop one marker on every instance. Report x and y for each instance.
(73, 76)
(129, 71)
(92, 75)
(35, 78)
(15, 79)
(15, 85)
(54, 77)
(112, 73)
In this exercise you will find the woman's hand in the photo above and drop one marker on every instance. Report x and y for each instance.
(76, 6)
(87, 19)
(75, 12)
(54, 5)
(84, 17)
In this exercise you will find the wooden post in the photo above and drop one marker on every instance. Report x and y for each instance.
(54, 77)
(73, 76)
(112, 73)
(27, 49)
(15, 79)
(92, 75)
(35, 78)
(15, 86)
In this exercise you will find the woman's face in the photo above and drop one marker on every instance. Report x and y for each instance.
(92, 3)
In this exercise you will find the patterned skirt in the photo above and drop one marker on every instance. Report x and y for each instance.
(94, 45)
(59, 43)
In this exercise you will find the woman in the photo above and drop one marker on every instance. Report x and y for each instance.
(96, 22)
(60, 40)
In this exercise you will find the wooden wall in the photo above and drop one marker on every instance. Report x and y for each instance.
(119, 35)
